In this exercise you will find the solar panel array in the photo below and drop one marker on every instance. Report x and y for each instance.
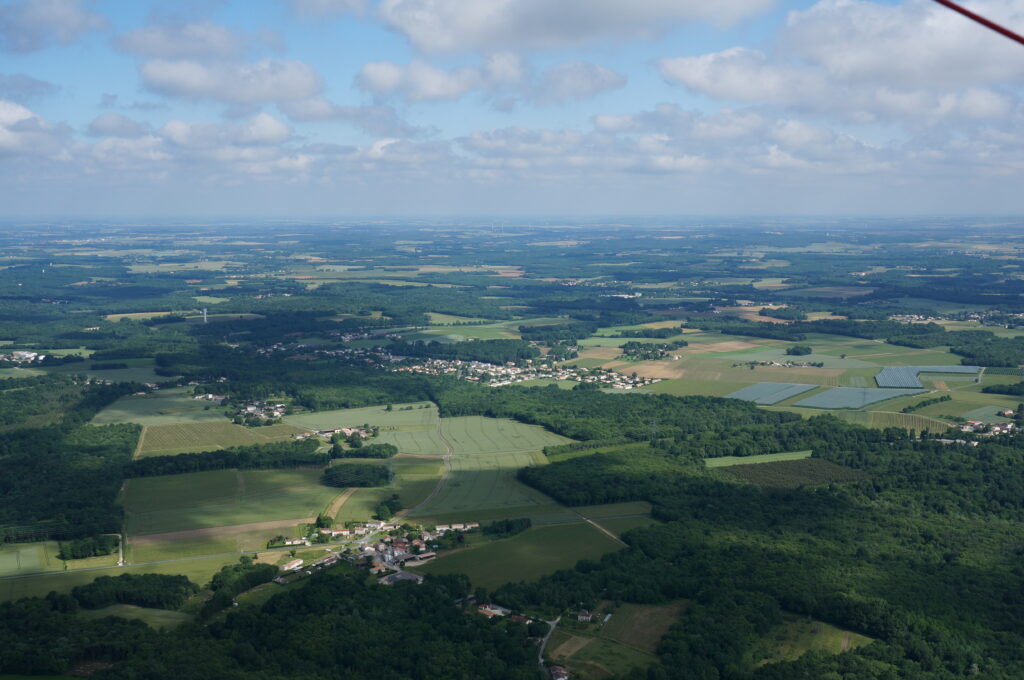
(906, 376)
(768, 393)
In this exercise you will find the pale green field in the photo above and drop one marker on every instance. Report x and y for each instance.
(420, 441)
(32, 558)
(372, 415)
(162, 440)
(796, 637)
(525, 557)
(472, 435)
(198, 570)
(219, 498)
(726, 461)
(160, 619)
(138, 370)
(18, 372)
(164, 407)
(414, 479)
(439, 318)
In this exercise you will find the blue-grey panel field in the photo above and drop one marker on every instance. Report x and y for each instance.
(852, 397)
(906, 376)
(768, 393)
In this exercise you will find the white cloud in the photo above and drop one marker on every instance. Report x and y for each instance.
(20, 87)
(28, 26)
(268, 80)
(116, 125)
(183, 41)
(915, 63)
(452, 25)
(502, 74)
(264, 129)
(22, 132)
(379, 121)
(326, 8)
(418, 81)
(574, 80)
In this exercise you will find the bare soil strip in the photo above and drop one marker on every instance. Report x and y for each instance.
(570, 647)
(335, 507)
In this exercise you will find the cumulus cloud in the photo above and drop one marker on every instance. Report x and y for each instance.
(502, 75)
(380, 121)
(452, 25)
(22, 88)
(28, 26)
(916, 62)
(116, 125)
(326, 8)
(574, 80)
(22, 132)
(268, 80)
(182, 41)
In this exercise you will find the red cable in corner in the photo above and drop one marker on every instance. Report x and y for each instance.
(982, 20)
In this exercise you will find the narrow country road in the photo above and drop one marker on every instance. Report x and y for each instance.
(544, 643)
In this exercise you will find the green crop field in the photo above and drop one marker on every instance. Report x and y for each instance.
(421, 441)
(473, 435)
(853, 397)
(162, 440)
(770, 393)
(219, 498)
(727, 461)
(157, 618)
(642, 625)
(38, 557)
(372, 415)
(684, 387)
(526, 556)
(796, 637)
(164, 407)
(413, 480)
(198, 570)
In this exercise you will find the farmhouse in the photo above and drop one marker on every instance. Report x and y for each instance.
(291, 566)
(558, 673)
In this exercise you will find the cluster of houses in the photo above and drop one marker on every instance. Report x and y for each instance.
(260, 410)
(343, 431)
(990, 429)
(22, 357)
(497, 375)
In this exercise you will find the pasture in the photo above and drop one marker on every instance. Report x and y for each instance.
(797, 636)
(728, 461)
(163, 407)
(162, 440)
(422, 414)
(472, 435)
(596, 658)
(222, 498)
(41, 556)
(161, 619)
(642, 626)
(527, 556)
(198, 570)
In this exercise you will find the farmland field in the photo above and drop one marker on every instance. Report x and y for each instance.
(796, 637)
(907, 376)
(770, 393)
(852, 397)
(202, 500)
(728, 461)
(160, 408)
(471, 435)
(157, 618)
(414, 479)
(41, 556)
(373, 415)
(198, 570)
(642, 625)
(160, 440)
(791, 474)
(526, 556)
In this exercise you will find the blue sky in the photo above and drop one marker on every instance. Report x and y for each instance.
(356, 107)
